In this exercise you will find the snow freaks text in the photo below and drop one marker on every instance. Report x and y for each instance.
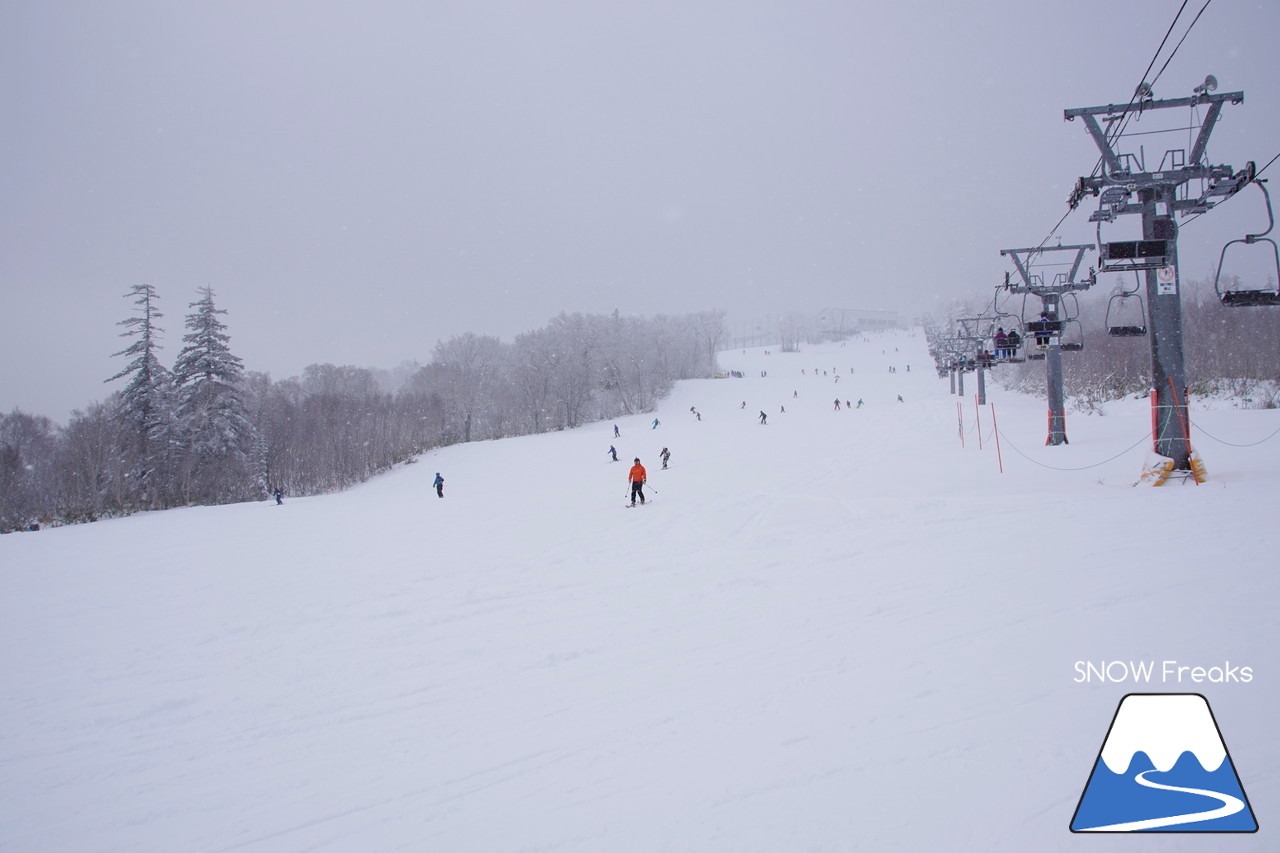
(1161, 672)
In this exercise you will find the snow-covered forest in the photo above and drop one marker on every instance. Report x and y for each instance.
(208, 431)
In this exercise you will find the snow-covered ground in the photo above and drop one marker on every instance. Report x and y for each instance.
(836, 631)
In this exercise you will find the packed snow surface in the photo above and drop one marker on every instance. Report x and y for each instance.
(839, 630)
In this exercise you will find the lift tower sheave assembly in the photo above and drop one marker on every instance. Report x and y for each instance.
(1047, 334)
(1125, 187)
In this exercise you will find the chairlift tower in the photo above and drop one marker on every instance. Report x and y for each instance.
(976, 331)
(1125, 186)
(954, 353)
(1050, 332)
(949, 352)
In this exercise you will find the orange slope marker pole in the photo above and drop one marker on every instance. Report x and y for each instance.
(995, 428)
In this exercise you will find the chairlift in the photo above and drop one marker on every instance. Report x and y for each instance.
(1045, 332)
(1040, 332)
(1071, 338)
(1011, 324)
(1250, 297)
(1126, 315)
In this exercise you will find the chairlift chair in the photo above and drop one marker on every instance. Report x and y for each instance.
(1071, 338)
(1044, 331)
(1126, 315)
(1252, 297)
(1037, 333)
(1011, 323)
(1071, 335)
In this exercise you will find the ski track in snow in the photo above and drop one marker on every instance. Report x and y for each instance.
(839, 631)
(1230, 805)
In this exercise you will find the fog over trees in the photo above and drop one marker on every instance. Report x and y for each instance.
(207, 431)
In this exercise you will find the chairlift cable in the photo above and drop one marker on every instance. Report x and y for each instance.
(1180, 41)
(1264, 168)
(1120, 125)
(1232, 444)
(1163, 41)
(1118, 129)
(1005, 436)
(1055, 228)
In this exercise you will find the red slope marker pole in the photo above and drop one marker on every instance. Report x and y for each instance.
(996, 429)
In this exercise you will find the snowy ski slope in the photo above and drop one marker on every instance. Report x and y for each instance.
(837, 631)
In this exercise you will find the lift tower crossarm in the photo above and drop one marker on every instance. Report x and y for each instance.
(1115, 173)
(1144, 106)
(1031, 287)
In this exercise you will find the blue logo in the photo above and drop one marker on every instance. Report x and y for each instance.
(1164, 768)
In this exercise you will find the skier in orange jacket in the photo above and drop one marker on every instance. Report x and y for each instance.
(637, 476)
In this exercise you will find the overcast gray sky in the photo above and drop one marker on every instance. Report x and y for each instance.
(357, 181)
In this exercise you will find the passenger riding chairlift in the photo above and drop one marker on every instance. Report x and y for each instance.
(1043, 332)
(1126, 315)
(1011, 323)
(1245, 297)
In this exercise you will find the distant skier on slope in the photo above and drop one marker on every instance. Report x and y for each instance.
(666, 457)
(439, 484)
(763, 418)
(637, 477)
(655, 424)
(613, 451)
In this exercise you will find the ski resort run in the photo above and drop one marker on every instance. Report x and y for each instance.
(849, 628)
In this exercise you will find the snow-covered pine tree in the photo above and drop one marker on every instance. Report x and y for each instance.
(143, 403)
(217, 435)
